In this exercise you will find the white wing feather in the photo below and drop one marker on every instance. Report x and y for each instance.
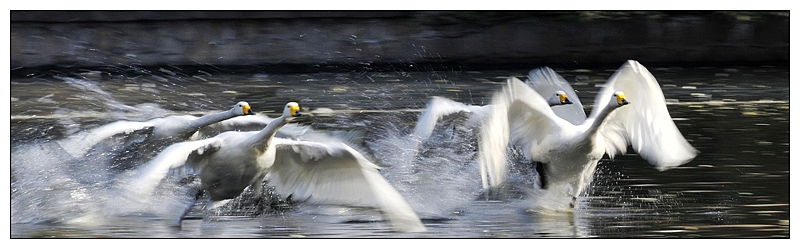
(79, 144)
(151, 173)
(645, 123)
(334, 173)
(437, 108)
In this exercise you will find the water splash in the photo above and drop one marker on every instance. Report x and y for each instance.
(437, 175)
(50, 186)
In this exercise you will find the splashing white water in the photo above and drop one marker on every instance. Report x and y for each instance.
(49, 186)
(438, 175)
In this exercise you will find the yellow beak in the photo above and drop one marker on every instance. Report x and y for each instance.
(294, 109)
(621, 99)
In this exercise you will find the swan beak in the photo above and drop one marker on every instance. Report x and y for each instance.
(246, 110)
(621, 99)
(564, 100)
(295, 111)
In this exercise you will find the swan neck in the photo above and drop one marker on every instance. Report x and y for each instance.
(264, 136)
(597, 121)
(210, 119)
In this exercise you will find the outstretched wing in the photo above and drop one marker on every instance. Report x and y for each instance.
(518, 114)
(333, 173)
(150, 174)
(437, 108)
(80, 143)
(645, 123)
(546, 82)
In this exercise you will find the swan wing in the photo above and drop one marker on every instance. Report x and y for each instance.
(518, 114)
(176, 155)
(546, 82)
(334, 173)
(437, 108)
(80, 143)
(352, 137)
(645, 123)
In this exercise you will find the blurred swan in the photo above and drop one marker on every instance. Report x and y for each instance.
(156, 132)
(568, 153)
(315, 172)
(544, 80)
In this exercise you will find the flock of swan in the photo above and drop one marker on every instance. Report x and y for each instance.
(542, 115)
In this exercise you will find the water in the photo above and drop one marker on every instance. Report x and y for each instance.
(737, 187)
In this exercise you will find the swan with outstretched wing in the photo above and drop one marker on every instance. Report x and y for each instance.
(316, 172)
(629, 110)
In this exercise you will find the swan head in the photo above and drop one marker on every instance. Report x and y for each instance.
(243, 108)
(619, 99)
(559, 98)
(291, 111)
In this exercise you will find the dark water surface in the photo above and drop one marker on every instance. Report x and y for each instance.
(737, 187)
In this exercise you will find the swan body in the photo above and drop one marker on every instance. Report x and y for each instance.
(159, 132)
(316, 172)
(629, 111)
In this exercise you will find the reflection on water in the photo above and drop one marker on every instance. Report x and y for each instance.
(737, 117)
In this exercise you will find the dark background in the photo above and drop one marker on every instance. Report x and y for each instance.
(279, 41)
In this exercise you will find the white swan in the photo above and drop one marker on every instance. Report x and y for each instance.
(569, 153)
(545, 81)
(316, 172)
(159, 132)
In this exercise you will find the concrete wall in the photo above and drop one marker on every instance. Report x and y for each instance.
(143, 38)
